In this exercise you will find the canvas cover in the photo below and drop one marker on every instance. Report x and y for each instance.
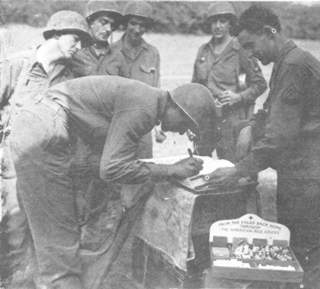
(166, 223)
(167, 218)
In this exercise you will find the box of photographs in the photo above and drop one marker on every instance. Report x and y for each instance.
(250, 248)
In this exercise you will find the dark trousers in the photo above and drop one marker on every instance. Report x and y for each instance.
(298, 206)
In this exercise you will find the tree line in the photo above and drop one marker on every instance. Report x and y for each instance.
(298, 21)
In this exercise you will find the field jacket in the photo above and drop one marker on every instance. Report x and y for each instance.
(112, 114)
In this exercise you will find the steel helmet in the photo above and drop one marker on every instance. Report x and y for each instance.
(196, 101)
(95, 7)
(221, 8)
(138, 8)
(68, 22)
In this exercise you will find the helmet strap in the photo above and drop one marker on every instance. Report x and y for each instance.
(101, 44)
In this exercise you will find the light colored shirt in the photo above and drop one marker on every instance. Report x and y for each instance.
(144, 65)
(222, 72)
(24, 77)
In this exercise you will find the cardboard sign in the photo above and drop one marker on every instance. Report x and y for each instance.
(250, 248)
(250, 227)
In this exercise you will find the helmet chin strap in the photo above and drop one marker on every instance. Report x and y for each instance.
(101, 44)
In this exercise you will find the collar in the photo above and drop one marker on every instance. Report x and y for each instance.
(35, 62)
(127, 51)
(162, 104)
(233, 44)
(98, 51)
(288, 46)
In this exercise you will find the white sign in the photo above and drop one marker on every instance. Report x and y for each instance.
(251, 227)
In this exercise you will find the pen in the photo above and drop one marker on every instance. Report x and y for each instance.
(204, 177)
(190, 153)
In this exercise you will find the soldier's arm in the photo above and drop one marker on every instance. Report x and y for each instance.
(9, 74)
(157, 72)
(195, 77)
(313, 65)
(6, 87)
(118, 162)
(201, 73)
(256, 83)
(77, 64)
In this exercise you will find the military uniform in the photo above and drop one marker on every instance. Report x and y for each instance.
(291, 146)
(144, 65)
(87, 62)
(22, 85)
(110, 111)
(223, 72)
(91, 190)
(23, 75)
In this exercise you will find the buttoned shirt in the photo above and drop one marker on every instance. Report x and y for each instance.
(291, 143)
(114, 112)
(109, 61)
(143, 64)
(25, 77)
(222, 72)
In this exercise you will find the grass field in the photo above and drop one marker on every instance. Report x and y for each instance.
(177, 56)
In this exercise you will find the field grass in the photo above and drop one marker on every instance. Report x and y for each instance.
(177, 56)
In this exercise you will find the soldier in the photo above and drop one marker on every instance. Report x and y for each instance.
(222, 65)
(32, 73)
(115, 113)
(141, 58)
(48, 64)
(291, 140)
(142, 61)
(98, 57)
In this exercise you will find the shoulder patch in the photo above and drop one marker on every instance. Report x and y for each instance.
(290, 96)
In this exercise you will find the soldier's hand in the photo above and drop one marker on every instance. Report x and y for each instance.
(160, 135)
(244, 143)
(191, 136)
(225, 176)
(222, 101)
(186, 168)
(230, 97)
